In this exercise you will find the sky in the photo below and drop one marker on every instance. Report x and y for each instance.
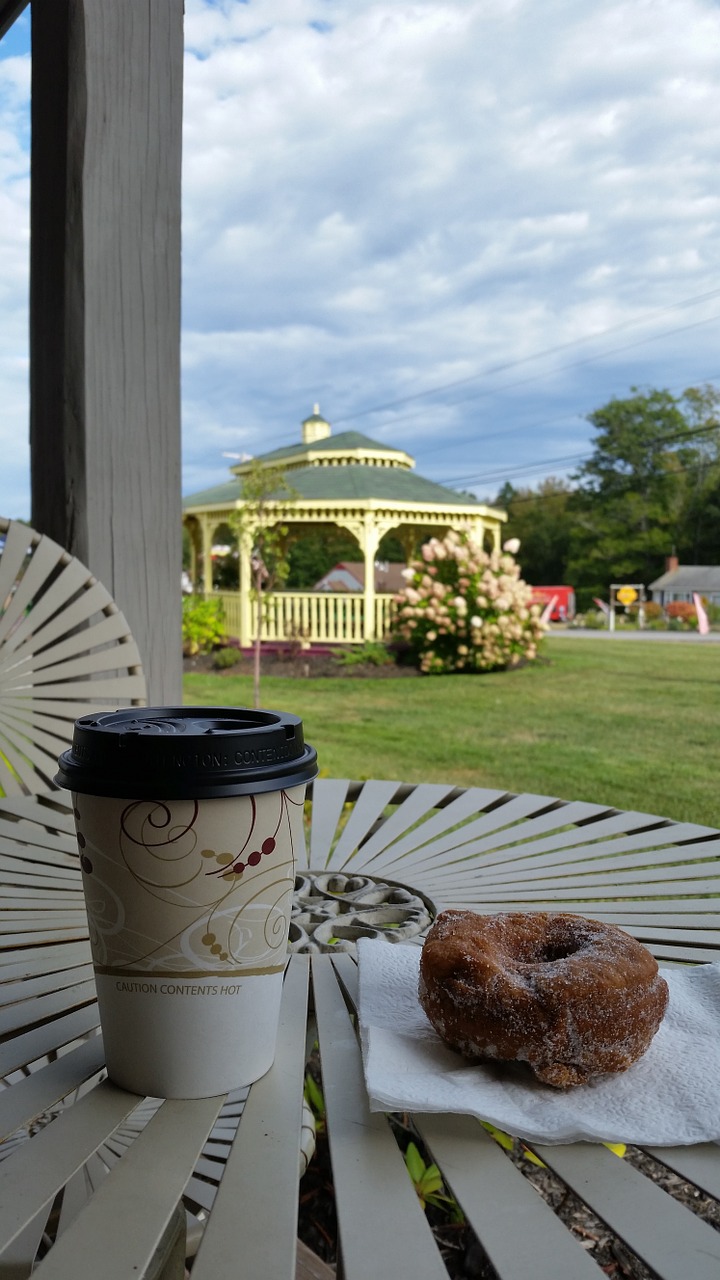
(459, 226)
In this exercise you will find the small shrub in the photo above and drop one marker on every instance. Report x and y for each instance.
(653, 611)
(202, 625)
(682, 610)
(227, 657)
(373, 652)
(466, 609)
(594, 620)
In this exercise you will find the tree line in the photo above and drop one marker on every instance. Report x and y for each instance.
(650, 489)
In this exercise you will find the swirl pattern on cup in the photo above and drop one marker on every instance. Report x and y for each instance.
(190, 887)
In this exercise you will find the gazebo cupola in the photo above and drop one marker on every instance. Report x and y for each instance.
(315, 427)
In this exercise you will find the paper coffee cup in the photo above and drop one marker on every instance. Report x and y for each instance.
(188, 824)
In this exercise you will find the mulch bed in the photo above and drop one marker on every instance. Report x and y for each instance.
(320, 664)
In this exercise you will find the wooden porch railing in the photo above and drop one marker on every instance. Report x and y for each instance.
(321, 617)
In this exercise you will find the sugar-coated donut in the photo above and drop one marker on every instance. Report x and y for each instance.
(572, 997)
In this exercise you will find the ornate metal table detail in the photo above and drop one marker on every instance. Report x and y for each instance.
(331, 911)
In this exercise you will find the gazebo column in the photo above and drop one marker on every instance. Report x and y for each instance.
(245, 545)
(193, 529)
(207, 537)
(369, 544)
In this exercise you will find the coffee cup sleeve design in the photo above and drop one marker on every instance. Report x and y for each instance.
(171, 889)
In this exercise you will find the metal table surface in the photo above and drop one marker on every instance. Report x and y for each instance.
(92, 1176)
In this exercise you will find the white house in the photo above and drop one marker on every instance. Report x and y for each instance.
(680, 581)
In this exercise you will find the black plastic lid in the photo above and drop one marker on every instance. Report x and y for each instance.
(169, 753)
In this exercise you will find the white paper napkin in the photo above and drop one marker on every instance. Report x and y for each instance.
(670, 1097)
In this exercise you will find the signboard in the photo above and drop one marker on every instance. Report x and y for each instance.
(625, 594)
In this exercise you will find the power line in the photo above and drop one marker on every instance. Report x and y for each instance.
(538, 426)
(686, 302)
(524, 468)
(576, 364)
(626, 485)
(538, 355)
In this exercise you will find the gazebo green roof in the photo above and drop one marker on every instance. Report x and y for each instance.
(348, 467)
(219, 495)
(351, 483)
(344, 442)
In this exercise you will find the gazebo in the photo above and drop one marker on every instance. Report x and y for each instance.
(348, 481)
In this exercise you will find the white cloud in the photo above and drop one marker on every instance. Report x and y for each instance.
(384, 197)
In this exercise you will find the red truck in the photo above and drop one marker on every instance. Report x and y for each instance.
(564, 607)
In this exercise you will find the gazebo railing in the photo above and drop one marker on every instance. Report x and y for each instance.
(319, 617)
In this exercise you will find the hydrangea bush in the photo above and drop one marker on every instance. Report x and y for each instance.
(465, 609)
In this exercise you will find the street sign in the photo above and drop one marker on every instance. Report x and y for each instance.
(627, 595)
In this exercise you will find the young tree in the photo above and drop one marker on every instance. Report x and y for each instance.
(265, 494)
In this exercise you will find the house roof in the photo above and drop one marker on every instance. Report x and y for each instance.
(355, 482)
(688, 578)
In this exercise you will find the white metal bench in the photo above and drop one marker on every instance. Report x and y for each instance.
(485, 849)
(65, 650)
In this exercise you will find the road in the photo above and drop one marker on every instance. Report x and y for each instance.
(663, 637)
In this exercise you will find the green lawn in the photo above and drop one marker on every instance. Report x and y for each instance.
(631, 724)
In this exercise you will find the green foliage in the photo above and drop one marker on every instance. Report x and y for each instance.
(651, 486)
(313, 554)
(466, 610)
(593, 620)
(428, 1183)
(392, 549)
(315, 1100)
(541, 521)
(202, 625)
(373, 653)
(655, 458)
(224, 658)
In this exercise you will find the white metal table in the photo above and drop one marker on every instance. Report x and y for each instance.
(93, 1176)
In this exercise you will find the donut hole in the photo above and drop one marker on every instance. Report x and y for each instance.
(547, 950)
(553, 951)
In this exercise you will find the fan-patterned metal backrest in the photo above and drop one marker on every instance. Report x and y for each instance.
(65, 650)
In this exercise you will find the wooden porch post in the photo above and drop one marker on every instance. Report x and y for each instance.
(105, 305)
